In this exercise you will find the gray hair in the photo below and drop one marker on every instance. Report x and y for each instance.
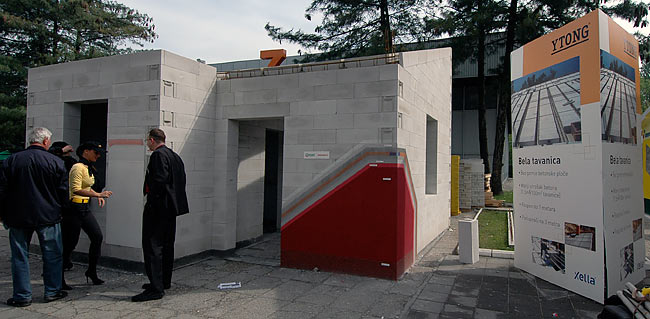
(38, 135)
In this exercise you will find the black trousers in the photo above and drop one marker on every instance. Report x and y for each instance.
(158, 237)
(76, 218)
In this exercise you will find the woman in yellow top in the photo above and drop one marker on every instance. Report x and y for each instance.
(82, 177)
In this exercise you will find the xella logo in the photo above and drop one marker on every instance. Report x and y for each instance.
(629, 48)
(570, 39)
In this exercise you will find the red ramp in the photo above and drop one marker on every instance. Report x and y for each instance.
(363, 226)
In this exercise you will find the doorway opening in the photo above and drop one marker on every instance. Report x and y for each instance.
(93, 127)
(273, 180)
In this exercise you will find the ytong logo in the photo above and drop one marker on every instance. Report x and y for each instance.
(570, 39)
(629, 48)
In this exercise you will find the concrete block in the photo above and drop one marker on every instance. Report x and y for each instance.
(388, 104)
(313, 166)
(284, 81)
(206, 70)
(256, 111)
(185, 77)
(296, 94)
(308, 79)
(60, 82)
(47, 97)
(336, 150)
(333, 121)
(388, 72)
(52, 109)
(129, 104)
(145, 58)
(313, 107)
(247, 84)
(179, 62)
(133, 74)
(207, 82)
(355, 136)
(296, 151)
(256, 97)
(37, 85)
(298, 122)
(143, 119)
(334, 91)
(379, 88)
(357, 75)
(317, 137)
(291, 179)
(203, 97)
(117, 119)
(496, 253)
(225, 99)
(137, 88)
(375, 120)
(485, 252)
(223, 86)
(364, 105)
(176, 105)
(468, 241)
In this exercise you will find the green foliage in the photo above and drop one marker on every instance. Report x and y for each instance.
(355, 27)
(493, 230)
(34, 33)
(12, 128)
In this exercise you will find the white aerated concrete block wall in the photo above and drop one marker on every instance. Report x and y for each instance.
(328, 110)
(425, 89)
(130, 85)
(188, 117)
(142, 90)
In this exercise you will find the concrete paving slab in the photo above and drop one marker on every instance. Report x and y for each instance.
(437, 286)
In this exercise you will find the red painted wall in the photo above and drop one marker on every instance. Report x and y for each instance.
(360, 224)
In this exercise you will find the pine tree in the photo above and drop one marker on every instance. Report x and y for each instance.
(355, 27)
(40, 32)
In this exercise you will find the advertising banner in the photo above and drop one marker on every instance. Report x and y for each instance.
(578, 203)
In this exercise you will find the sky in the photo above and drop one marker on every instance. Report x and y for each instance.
(230, 30)
(221, 30)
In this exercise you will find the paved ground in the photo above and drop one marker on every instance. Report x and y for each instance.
(438, 286)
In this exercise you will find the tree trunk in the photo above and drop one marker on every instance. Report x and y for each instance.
(482, 126)
(384, 21)
(503, 110)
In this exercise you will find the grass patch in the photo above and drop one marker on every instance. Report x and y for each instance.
(493, 230)
(506, 196)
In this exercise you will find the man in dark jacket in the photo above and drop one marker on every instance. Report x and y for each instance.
(164, 186)
(33, 188)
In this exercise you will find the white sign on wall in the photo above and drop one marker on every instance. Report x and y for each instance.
(317, 155)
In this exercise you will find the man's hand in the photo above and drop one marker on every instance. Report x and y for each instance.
(101, 201)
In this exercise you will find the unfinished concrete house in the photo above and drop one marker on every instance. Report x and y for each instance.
(349, 160)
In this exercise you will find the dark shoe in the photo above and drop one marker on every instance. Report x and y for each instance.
(65, 286)
(93, 277)
(67, 266)
(148, 286)
(22, 303)
(60, 294)
(147, 295)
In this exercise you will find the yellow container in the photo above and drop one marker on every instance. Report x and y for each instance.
(645, 131)
(455, 163)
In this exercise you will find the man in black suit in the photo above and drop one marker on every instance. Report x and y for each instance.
(164, 186)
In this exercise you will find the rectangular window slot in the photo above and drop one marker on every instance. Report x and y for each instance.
(431, 165)
(385, 264)
(387, 179)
